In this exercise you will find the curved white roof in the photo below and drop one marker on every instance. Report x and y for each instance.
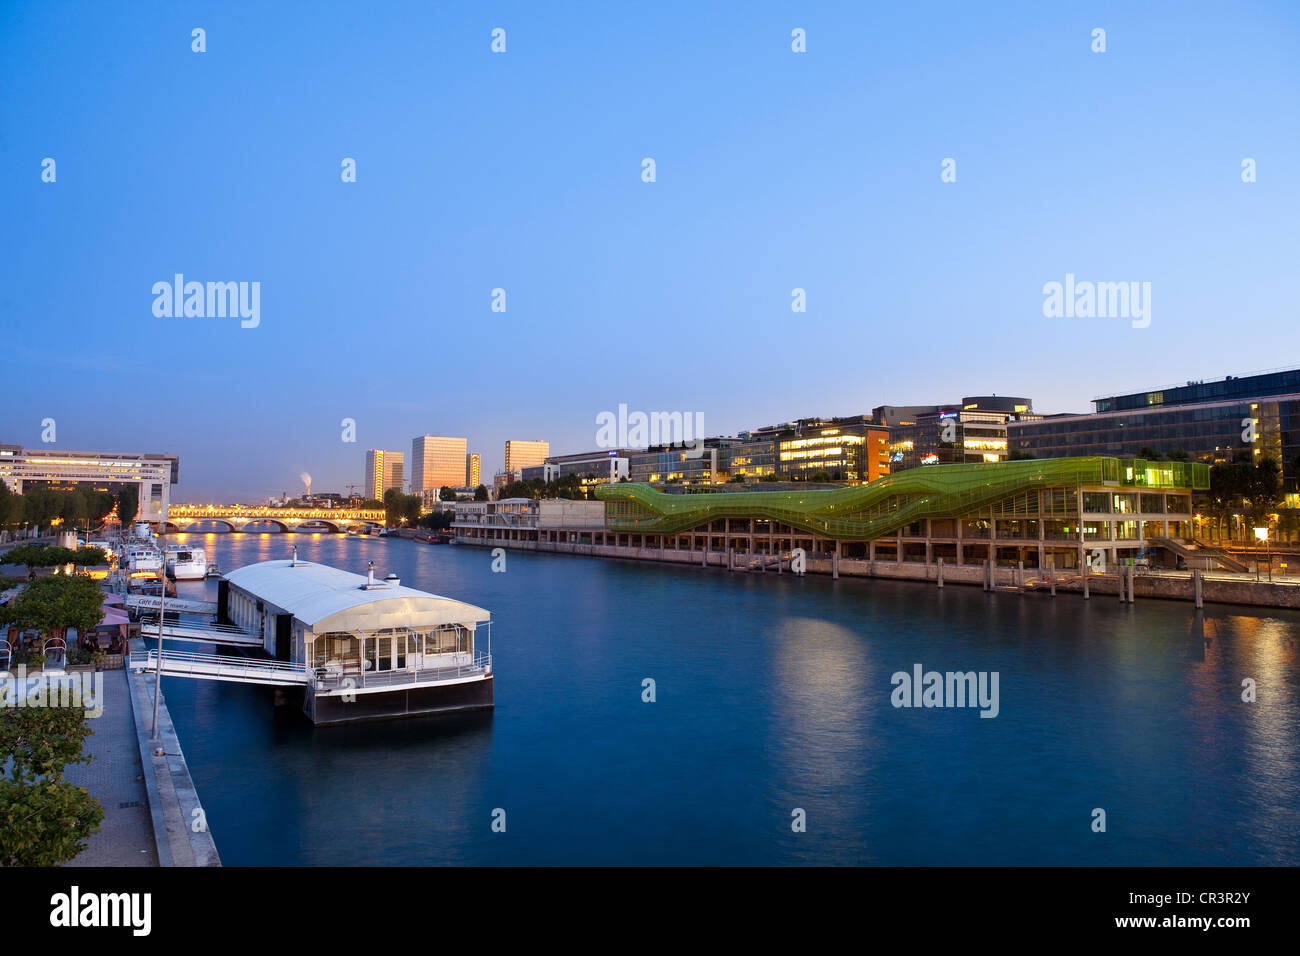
(329, 599)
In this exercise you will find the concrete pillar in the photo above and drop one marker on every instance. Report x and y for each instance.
(1197, 593)
(835, 562)
(939, 573)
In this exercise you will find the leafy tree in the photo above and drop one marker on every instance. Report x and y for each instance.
(1149, 453)
(821, 474)
(38, 556)
(446, 494)
(89, 557)
(44, 820)
(51, 605)
(1178, 454)
(128, 504)
(437, 520)
(1242, 487)
(481, 493)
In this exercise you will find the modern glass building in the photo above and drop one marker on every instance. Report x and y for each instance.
(384, 470)
(437, 461)
(1207, 422)
(525, 454)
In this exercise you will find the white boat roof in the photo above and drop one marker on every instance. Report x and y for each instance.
(330, 599)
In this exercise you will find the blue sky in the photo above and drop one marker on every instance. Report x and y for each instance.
(522, 171)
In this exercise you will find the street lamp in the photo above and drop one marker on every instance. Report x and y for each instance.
(1261, 534)
(162, 616)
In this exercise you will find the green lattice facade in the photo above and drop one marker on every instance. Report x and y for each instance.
(864, 512)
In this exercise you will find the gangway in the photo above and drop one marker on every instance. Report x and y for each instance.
(236, 670)
(200, 633)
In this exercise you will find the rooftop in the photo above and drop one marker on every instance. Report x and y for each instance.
(331, 599)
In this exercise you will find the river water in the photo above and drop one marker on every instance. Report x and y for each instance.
(772, 706)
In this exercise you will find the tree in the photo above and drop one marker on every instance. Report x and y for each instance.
(1178, 454)
(89, 557)
(437, 520)
(446, 494)
(39, 556)
(1149, 453)
(128, 504)
(51, 605)
(481, 493)
(43, 818)
(1252, 490)
(821, 474)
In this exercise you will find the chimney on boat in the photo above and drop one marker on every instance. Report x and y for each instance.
(293, 563)
(370, 575)
(392, 580)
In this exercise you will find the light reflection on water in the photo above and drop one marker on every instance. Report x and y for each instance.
(772, 694)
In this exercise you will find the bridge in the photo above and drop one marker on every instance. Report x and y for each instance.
(256, 517)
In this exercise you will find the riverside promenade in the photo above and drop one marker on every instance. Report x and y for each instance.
(152, 814)
(116, 779)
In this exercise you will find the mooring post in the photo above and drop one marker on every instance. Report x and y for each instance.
(835, 562)
(1051, 573)
(1086, 570)
(1020, 574)
(939, 573)
(1196, 588)
(731, 558)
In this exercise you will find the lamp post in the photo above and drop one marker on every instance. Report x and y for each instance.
(1261, 534)
(162, 616)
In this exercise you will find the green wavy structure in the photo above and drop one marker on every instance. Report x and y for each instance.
(933, 491)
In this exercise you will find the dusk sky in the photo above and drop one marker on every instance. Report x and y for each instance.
(522, 170)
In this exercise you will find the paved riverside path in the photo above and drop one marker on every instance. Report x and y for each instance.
(116, 779)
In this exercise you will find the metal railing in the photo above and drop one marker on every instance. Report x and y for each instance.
(470, 665)
(220, 666)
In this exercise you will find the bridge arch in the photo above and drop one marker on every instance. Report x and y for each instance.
(251, 527)
(333, 526)
(196, 526)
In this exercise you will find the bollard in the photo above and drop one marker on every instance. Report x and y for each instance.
(939, 574)
(1196, 589)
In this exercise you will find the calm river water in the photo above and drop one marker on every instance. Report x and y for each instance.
(773, 694)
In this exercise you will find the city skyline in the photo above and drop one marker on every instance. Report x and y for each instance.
(1113, 167)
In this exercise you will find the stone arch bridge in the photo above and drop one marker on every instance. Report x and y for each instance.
(255, 517)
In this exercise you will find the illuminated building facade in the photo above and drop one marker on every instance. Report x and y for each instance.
(384, 470)
(153, 474)
(972, 432)
(525, 454)
(437, 461)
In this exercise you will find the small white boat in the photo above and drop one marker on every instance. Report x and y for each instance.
(186, 563)
(143, 557)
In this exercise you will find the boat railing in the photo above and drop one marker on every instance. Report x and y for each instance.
(339, 678)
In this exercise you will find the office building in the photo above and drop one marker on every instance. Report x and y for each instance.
(384, 470)
(590, 468)
(525, 454)
(23, 470)
(853, 448)
(437, 461)
(473, 467)
(1203, 421)
(971, 432)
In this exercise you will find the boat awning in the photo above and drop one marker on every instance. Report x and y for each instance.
(329, 599)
